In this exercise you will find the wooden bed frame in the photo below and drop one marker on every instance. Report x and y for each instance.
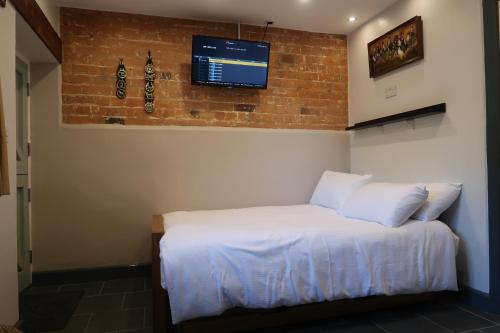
(241, 320)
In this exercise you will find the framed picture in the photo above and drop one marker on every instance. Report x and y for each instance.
(399, 47)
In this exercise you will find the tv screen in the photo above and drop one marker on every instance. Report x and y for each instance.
(229, 62)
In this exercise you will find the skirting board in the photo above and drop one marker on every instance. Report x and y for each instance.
(90, 275)
(478, 300)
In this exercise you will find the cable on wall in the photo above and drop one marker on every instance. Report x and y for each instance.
(268, 23)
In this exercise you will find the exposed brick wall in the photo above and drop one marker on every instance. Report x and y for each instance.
(307, 85)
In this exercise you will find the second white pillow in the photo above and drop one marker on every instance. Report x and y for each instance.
(441, 197)
(385, 203)
(335, 187)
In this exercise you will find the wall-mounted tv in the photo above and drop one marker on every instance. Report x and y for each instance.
(229, 62)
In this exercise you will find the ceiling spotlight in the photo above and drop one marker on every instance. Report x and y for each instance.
(352, 18)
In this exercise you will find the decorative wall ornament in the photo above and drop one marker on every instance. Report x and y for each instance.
(165, 76)
(399, 47)
(121, 81)
(149, 77)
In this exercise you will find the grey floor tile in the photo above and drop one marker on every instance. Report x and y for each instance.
(147, 284)
(490, 316)
(291, 329)
(361, 327)
(148, 321)
(41, 289)
(77, 324)
(302, 329)
(125, 306)
(455, 319)
(141, 330)
(123, 285)
(138, 299)
(320, 326)
(408, 323)
(97, 304)
(91, 288)
(116, 321)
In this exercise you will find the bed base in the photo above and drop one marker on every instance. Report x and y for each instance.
(241, 320)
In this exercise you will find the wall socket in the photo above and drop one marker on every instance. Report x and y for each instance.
(391, 92)
(244, 107)
(114, 120)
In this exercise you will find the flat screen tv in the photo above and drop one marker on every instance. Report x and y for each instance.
(229, 62)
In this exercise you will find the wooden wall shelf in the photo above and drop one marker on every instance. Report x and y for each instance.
(409, 115)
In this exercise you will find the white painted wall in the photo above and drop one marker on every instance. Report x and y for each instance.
(51, 11)
(95, 188)
(442, 148)
(8, 223)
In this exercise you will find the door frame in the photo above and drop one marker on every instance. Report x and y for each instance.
(23, 178)
(22, 68)
(492, 82)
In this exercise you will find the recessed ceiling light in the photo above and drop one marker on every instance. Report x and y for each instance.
(304, 1)
(352, 18)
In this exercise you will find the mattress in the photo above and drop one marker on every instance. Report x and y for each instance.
(266, 257)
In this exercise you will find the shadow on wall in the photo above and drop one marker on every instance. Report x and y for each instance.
(418, 74)
(450, 217)
(39, 71)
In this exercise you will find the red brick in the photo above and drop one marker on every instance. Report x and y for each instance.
(307, 70)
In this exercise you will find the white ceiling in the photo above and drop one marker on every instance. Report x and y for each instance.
(330, 16)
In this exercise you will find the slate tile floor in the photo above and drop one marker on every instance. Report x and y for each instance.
(109, 306)
(125, 306)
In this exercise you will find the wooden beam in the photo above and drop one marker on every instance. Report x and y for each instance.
(2, 3)
(36, 19)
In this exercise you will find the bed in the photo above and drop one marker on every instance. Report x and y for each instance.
(212, 262)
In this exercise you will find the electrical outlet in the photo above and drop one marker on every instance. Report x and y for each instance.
(165, 76)
(195, 114)
(391, 92)
(114, 120)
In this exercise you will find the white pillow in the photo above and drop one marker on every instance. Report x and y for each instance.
(335, 187)
(441, 197)
(385, 203)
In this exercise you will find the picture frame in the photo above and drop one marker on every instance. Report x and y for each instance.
(399, 47)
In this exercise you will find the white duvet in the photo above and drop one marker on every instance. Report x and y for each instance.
(266, 257)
